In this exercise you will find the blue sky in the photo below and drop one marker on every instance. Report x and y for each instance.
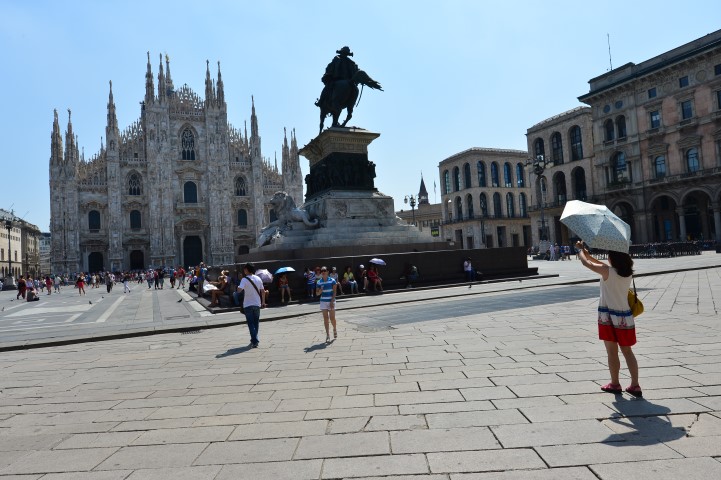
(456, 74)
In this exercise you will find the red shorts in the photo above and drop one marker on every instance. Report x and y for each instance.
(625, 337)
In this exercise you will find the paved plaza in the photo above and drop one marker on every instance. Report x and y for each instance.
(500, 381)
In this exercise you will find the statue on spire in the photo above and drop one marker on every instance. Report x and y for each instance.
(341, 79)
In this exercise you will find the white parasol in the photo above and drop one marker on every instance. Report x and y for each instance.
(377, 261)
(264, 275)
(598, 226)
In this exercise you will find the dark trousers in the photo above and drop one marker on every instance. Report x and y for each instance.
(109, 286)
(252, 317)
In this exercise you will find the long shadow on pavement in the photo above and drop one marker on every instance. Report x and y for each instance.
(233, 351)
(647, 423)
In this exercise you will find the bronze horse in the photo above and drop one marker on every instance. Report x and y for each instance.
(343, 94)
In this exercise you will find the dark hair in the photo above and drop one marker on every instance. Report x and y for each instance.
(250, 267)
(622, 262)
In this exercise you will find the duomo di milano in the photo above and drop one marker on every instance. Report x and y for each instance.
(178, 186)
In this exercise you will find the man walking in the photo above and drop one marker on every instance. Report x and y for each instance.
(108, 281)
(251, 285)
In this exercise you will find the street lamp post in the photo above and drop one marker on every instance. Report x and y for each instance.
(483, 215)
(9, 276)
(411, 199)
(539, 166)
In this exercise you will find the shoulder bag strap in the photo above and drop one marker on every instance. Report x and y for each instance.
(256, 289)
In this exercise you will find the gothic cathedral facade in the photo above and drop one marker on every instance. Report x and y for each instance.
(177, 187)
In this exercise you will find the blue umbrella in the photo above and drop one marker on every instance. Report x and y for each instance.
(284, 270)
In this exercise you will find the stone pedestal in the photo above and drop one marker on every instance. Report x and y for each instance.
(341, 195)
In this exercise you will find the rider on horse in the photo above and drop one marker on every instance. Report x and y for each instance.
(340, 68)
(341, 79)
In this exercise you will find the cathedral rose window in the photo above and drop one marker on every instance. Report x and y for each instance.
(188, 145)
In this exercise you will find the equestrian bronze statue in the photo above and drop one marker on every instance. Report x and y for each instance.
(341, 79)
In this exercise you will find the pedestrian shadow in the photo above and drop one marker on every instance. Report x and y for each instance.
(317, 346)
(233, 351)
(644, 422)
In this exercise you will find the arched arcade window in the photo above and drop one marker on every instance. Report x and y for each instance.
(510, 208)
(538, 147)
(494, 175)
(608, 130)
(190, 192)
(576, 143)
(619, 168)
(187, 141)
(507, 175)
(446, 182)
(135, 185)
(469, 205)
(484, 205)
(242, 218)
(497, 205)
(467, 175)
(520, 181)
(522, 210)
(456, 179)
(659, 166)
(481, 167)
(692, 163)
(240, 187)
(557, 148)
(621, 126)
(93, 220)
(135, 220)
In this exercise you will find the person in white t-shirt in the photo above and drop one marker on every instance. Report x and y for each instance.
(252, 286)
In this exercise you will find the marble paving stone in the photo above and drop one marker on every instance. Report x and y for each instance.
(567, 412)
(383, 388)
(709, 446)
(506, 403)
(439, 440)
(8, 457)
(382, 399)
(295, 470)
(637, 407)
(153, 456)
(374, 466)
(343, 445)
(183, 473)
(155, 424)
(279, 430)
(396, 422)
(559, 388)
(49, 461)
(685, 468)
(474, 419)
(553, 433)
(486, 393)
(248, 451)
(107, 475)
(184, 435)
(190, 411)
(572, 473)
(347, 425)
(314, 403)
(445, 407)
(97, 440)
(484, 461)
(30, 442)
(588, 454)
(352, 401)
(350, 412)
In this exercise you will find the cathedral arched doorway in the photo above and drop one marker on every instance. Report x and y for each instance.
(192, 251)
(137, 260)
(95, 262)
